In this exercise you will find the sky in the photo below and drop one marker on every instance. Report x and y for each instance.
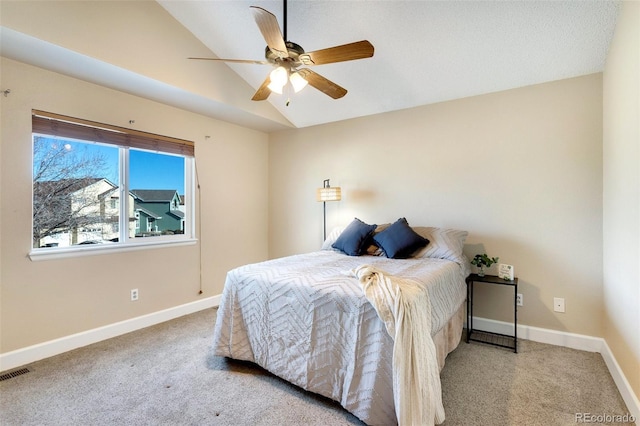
(147, 170)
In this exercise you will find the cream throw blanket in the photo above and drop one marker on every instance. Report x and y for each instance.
(404, 307)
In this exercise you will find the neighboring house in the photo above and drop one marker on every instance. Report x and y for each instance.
(77, 211)
(158, 211)
(182, 208)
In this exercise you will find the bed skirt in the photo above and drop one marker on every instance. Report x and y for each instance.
(448, 338)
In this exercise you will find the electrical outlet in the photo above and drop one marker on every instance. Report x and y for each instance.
(134, 294)
(558, 304)
(519, 300)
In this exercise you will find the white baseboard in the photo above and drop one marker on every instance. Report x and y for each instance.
(40, 351)
(629, 397)
(542, 335)
(573, 341)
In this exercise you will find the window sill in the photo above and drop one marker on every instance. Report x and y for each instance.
(64, 253)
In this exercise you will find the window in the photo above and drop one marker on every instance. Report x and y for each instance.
(96, 185)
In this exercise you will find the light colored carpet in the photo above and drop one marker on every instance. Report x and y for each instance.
(167, 375)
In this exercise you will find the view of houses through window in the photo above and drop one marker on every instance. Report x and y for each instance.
(77, 193)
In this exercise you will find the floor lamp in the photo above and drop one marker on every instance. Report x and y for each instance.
(324, 194)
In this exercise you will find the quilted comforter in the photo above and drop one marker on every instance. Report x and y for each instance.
(303, 319)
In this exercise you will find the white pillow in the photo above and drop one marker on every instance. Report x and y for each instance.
(444, 243)
(332, 237)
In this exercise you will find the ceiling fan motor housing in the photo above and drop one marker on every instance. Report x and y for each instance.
(294, 50)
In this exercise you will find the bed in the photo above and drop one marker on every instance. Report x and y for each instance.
(305, 318)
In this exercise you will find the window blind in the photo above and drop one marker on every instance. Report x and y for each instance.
(75, 128)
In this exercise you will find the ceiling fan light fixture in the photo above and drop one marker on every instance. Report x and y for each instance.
(275, 88)
(297, 81)
(278, 79)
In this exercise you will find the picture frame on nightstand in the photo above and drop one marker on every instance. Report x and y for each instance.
(505, 271)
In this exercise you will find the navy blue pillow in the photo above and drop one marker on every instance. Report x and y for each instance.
(399, 241)
(355, 238)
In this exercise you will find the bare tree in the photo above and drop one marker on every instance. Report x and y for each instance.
(62, 174)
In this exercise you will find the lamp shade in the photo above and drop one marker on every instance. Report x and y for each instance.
(329, 194)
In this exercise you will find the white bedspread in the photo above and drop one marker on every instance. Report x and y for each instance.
(302, 319)
(404, 307)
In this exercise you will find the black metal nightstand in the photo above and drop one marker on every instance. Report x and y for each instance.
(497, 339)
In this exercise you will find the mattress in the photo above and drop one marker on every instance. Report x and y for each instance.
(304, 319)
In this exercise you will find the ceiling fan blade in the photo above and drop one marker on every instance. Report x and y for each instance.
(268, 25)
(327, 87)
(238, 61)
(263, 91)
(346, 52)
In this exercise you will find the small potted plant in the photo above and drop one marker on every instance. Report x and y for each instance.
(483, 261)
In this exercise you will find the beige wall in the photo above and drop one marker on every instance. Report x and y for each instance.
(45, 300)
(521, 170)
(621, 157)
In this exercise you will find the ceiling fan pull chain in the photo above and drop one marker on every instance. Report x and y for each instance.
(287, 91)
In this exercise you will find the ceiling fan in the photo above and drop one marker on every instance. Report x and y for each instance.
(288, 58)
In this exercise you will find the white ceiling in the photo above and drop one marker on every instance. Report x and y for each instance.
(425, 51)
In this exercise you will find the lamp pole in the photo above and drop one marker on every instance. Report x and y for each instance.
(325, 184)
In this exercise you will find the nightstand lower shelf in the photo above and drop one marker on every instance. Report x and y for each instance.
(494, 339)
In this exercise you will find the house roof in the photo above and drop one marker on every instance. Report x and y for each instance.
(66, 186)
(154, 195)
(177, 213)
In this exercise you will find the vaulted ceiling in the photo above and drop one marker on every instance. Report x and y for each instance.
(425, 51)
